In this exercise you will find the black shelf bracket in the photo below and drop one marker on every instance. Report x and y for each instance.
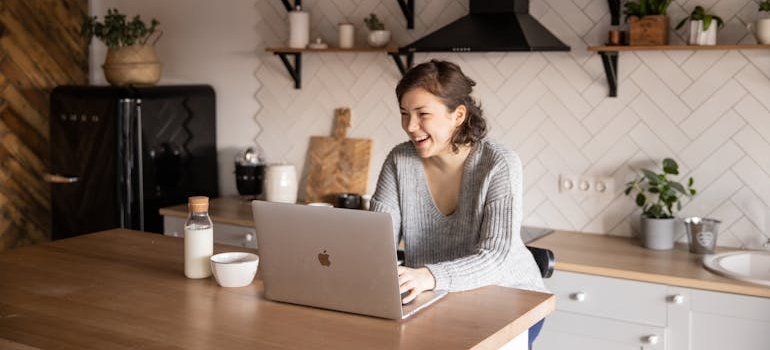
(295, 70)
(407, 7)
(398, 57)
(610, 62)
(614, 12)
(289, 6)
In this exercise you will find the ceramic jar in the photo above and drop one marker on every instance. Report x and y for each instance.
(281, 183)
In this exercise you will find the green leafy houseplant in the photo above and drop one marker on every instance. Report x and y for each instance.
(764, 6)
(116, 31)
(699, 14)
(374, 23)
(657, 195)
(643, 8)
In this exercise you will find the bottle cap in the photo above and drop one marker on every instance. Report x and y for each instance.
(198, 204)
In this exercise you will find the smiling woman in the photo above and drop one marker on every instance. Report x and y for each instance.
(455, 196)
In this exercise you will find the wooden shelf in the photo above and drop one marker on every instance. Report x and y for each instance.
(677, 47)
(332, 49)
(609, 54)
(295, 68)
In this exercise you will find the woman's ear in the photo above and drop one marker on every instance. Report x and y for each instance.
(460, 113)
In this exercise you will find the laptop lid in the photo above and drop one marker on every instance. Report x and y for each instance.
(339, 259)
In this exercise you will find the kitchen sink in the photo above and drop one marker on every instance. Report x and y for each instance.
(747, 265)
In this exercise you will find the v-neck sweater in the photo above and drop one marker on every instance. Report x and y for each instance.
(480, 242)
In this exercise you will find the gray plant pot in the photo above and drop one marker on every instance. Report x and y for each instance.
(658, 234)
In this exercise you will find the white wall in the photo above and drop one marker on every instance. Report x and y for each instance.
(710, 110)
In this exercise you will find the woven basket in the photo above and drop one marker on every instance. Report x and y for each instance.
(132, 65)
(648, 31)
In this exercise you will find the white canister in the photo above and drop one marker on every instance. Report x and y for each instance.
(281, 183)
(346, 35)
(299, 29)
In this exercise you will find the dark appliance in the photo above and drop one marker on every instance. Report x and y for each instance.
(119, 154)
(491, 25)
(249, 172)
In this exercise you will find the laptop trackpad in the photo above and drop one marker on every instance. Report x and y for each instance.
(423, 300)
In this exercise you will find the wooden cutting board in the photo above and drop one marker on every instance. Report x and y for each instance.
(337, 164)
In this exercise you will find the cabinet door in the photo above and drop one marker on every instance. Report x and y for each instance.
(728, 321)
(567, 330)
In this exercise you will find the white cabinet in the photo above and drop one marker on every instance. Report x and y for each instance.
(594, 312)
(239, 236)
(604, 313)
(707, 320)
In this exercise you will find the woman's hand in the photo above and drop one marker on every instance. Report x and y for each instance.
(414, 281)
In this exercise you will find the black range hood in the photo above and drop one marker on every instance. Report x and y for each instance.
(491, 25)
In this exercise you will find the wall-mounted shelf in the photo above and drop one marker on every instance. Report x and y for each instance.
(295, 68)
(407, 8)
(609, 54)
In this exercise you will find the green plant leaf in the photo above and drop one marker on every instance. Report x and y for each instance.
(670, 166)
(640, 199)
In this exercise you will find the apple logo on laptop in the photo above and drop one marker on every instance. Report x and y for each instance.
(323, 258)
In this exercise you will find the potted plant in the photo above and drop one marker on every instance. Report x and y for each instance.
(378, 35)
(647, 21)
(131, 58)
(702, 32)
(660, 198)
(761, 29)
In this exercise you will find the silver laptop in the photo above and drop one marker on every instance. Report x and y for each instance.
(338, 259)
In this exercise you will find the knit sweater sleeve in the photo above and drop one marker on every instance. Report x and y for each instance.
(386, 197)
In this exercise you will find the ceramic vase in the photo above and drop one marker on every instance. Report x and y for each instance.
(658, 234)
(699, 36)
(378, 38)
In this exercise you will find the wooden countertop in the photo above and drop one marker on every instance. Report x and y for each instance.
(621, 257)
(226, 210)
(123, 289)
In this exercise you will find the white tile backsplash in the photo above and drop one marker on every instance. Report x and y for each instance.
(708, 109)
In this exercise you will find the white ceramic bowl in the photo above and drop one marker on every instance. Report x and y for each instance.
(234, 269)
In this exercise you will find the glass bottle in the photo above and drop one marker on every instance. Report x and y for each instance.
(198, 239)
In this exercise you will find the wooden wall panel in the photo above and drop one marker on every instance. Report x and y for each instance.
(40, 48)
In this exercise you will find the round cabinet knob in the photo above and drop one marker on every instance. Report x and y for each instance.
(248, 237)
(579, 296)
(651, 339)
(677, 299)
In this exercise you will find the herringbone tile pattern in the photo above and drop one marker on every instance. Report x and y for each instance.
(710, 110)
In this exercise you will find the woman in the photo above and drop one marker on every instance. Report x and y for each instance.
(454, 195)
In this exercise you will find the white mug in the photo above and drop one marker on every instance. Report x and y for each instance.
(281, 183)
(761, 30)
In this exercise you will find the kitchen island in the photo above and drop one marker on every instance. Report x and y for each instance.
(123, 289)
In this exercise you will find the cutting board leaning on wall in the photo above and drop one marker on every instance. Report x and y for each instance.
(337, 164)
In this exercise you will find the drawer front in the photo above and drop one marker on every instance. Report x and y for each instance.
(605, 297)
(567, 330)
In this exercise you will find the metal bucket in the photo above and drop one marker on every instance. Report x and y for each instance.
(701, 234)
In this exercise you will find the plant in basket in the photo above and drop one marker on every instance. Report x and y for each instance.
(647, 21)
(131, 57)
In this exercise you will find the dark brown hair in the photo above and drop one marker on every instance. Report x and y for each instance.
(446, 81)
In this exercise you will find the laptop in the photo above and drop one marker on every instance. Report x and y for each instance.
(331, 258)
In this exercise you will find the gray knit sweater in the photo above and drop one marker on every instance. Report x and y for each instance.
(479, 243)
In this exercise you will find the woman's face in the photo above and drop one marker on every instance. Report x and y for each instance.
(428, 122)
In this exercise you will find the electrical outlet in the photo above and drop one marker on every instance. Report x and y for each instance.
(586, 185)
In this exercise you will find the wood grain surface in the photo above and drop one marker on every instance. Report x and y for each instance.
(40, 48)
(123, 289)
(337, 164)
(622, 257)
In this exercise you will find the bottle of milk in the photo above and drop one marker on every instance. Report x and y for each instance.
(198, 239)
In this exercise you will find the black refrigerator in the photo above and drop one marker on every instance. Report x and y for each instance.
(119, 154)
